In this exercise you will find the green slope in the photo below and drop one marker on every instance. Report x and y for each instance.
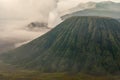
(79, 44)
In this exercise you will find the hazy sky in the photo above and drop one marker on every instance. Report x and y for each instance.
(35, 9)
(16, 14)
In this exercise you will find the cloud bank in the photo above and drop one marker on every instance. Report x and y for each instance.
(16, 14)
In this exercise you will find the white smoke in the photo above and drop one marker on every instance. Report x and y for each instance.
(16, 14)
(63, 7)
(54, 16)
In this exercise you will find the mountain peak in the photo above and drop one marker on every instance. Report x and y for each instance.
(88, 44)
(105, 8)
(108, 2)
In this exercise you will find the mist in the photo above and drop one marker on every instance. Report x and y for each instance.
(15, 15)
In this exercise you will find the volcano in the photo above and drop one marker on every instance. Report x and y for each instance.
(89, 44)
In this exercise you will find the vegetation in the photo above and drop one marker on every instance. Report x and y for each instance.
(79, 44)
(24, 75)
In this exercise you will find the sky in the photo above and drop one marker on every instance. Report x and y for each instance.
(35, 9)
(15, 15)
(17, 9)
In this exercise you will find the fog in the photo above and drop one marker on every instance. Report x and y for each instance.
(15, 15)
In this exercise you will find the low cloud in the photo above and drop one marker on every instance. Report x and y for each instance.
(15, 15)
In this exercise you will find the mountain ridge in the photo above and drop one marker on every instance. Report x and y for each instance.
(87, 44)
(107, 8)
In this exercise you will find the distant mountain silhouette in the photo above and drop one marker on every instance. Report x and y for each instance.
(106, 9)
(85, 44)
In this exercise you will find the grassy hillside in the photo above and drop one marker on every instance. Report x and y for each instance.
(79, 44)
(27, 75)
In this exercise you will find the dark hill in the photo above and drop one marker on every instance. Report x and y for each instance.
(82, 44)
